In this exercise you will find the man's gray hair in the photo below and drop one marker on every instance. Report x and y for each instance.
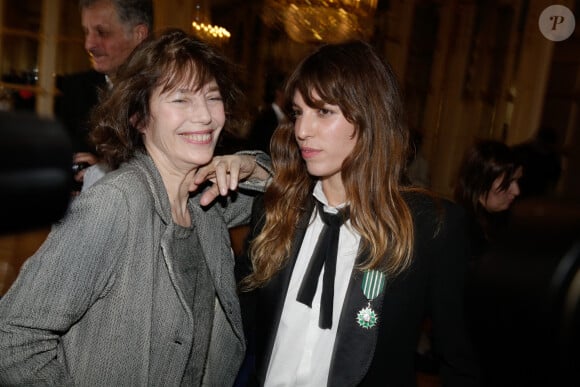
(131, 12)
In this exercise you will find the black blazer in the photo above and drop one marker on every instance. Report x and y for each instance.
(79, 92)
(262, 129)
(384, 355)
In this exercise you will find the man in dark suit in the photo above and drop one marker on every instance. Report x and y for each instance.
(113, 28)
(72, 107)
(270, 116)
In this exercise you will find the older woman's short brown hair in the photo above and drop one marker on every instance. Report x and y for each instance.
(169, 60)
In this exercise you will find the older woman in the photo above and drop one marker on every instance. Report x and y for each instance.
(135, 286)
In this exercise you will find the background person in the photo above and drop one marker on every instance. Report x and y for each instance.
(542, 159)
(150, 297)
(418, 170)
(318, 319)
(270, 115)
(112, 28)
(486, 187)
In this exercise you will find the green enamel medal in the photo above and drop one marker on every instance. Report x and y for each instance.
(373, 284)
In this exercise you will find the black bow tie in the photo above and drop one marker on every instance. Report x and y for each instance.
(324, 255)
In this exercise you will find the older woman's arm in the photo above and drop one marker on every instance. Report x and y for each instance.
(55, 287)
(250, 170)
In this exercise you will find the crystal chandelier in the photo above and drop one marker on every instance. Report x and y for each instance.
(316, 21)
(202, 27)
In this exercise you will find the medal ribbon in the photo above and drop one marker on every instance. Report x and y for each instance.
(373, 283)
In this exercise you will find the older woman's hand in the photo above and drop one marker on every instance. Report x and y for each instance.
(226, 172)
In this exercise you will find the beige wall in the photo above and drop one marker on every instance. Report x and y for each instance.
(173, 13)
(488, 79)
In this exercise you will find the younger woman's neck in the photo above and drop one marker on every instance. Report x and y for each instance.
(334, 192)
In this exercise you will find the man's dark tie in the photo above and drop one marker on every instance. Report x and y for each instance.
(324, 255)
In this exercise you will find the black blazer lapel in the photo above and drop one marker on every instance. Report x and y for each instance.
(271, 302)
(354, 346)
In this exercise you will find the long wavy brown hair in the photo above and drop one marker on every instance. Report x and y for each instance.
(352, 76)
(171, 59)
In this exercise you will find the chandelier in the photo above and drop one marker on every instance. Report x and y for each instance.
(202, 27)
(316, 21)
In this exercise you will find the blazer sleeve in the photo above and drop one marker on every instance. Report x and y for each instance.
(57, 285)
(446, 298)
(238, 208)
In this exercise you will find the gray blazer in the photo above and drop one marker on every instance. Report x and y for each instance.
(80, 312)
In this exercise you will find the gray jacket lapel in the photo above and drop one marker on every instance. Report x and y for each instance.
(209, 223)
(210, 228)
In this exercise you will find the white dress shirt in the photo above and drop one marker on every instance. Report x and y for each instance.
(302, 350)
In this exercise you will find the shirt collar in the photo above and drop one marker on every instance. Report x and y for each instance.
(318, 193)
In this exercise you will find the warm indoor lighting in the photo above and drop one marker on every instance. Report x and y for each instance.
(215, 32)
(315, 21)
(202, 27)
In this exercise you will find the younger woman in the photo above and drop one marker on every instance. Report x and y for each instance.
(340, 299)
